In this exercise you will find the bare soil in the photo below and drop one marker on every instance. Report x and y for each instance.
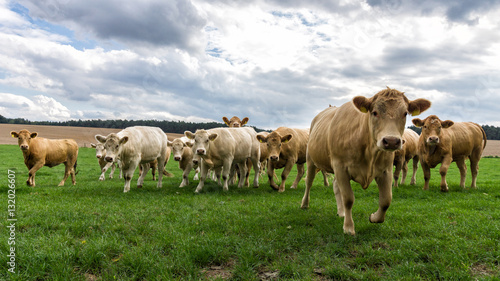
(85, 135)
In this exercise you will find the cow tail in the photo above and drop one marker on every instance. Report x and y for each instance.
(484, 136)
(74, 167)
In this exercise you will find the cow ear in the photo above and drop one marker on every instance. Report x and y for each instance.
(212, 137)
(225, 120)
(101, 139)
(14, 134)
(244, 121)
(417, 122)
(189, 135)
(33, 135)
(361, 103)
(188, 144)
(262, 139)
(169, 143)
(93, 145)
(418, 106)
(447, 123)
(286, 138)
(123, 140)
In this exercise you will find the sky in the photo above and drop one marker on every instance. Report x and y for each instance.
(277, 62)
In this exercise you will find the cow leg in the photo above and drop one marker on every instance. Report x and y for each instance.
(286, 171)
(32, 172)
(338, 199)
(311, 173)
(196, 173)
(225, 172)
(427, 174)
(405, 172)
(67, 172)
(384, 197)
(397, 172)
(415, 168)
(325, 178)
(474, 168)
(185, 175)
(300, 174)
(256, 169)
(154, 167)
(443, 170)
(243, 171)
(144, 169)
(113, 168)
(203, 172)
(104, 169)
(343, 183)
(162, 161)
(247, 175)
(463, 171)
(270, 175)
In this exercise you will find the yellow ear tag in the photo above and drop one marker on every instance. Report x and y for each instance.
(363, 109)
(13, 135)
(261, 141)
(415, 112)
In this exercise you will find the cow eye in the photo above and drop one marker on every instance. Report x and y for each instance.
(375, 114)
(406, 114)
(425, 127)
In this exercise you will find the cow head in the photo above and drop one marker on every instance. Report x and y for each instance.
(274, 141)
(235, 122)
(387, 116)
(24, 138)
(431, 128)
(113, 145)
(202, 140)
(100, 152)
(177, 146)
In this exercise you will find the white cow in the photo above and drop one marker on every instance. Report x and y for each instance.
(100, 154)
(134, 146)
(224, 148)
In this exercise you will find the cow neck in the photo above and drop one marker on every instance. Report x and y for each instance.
(432, 149)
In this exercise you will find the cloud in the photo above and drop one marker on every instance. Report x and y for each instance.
(39, 108)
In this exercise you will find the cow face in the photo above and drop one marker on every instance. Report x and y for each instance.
(177, 148)
(431, 128)
(112, 144)
(387, 116)
(24, 138)
(202, 140)
(235, 122)
(274, 141)
(100, 152)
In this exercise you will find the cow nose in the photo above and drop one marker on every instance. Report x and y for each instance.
(99, 156)
(391, 142)
(195, 161)
(274, 158)
(200, 151)
(24, 147)
(433, 139)
(177, 158)
(108, 159)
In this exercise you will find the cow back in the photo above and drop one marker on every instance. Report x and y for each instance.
(146, 142)
(465, 137)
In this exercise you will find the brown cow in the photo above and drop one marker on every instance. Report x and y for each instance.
(286, 147)
(445, 142)
(403, 156)
(356, 141)
(235, 122)
(39, 152)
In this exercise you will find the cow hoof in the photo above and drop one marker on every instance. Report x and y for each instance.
(139, 186)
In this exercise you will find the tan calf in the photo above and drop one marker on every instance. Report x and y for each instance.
(443, 142)
(403, 156)
(356, 141)
(39, 152)
(235, 122)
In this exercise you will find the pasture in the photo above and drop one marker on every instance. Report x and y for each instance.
(93, 231)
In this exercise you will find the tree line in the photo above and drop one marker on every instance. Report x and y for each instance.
(175, 127)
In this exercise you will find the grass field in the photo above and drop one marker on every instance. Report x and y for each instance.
(93, 231)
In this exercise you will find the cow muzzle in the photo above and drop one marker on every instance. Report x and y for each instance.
(391, 143)
(433, 140)
(274, 158)
(195, 161)
(201, 151)
(99, 156)
(177, 158)
(24, 147)
(108, 159)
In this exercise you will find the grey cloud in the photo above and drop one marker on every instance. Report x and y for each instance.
(160, 23)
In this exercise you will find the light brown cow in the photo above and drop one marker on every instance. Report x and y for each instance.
(235, 122)
(286, 147)
(445, 142)
(356, 141)
(403, 156)
(181, 148)
(100, 154)
(39, 152)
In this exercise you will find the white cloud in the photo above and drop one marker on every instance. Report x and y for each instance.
(39, 108)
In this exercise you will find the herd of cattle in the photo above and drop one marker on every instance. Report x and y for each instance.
(361, 141)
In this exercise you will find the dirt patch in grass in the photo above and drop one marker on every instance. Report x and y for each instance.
(84, 136)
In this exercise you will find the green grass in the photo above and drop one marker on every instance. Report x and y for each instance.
(93, 231)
